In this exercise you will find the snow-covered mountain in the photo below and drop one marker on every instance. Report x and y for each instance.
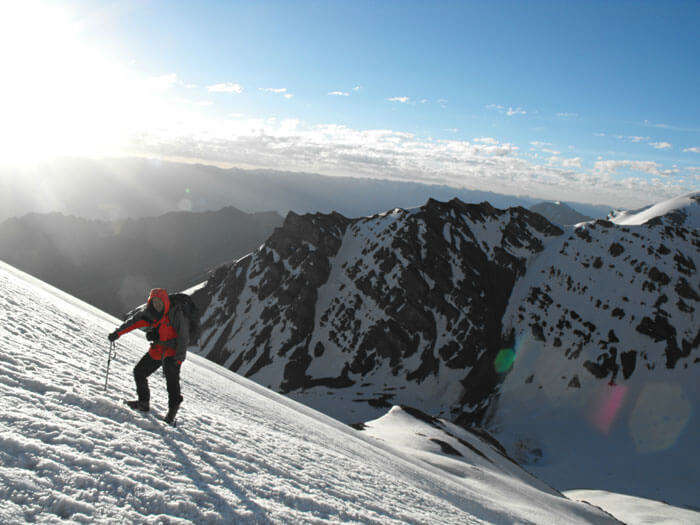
(464, 311)
(71, 452)
(606, 358)
(351, 316)
(682, 210)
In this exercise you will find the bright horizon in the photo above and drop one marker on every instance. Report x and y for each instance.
(593, 102)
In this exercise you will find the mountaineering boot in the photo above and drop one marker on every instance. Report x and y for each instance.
(142, 406)
(172, 412)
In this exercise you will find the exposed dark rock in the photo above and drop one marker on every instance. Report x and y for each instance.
(607, 364)
(628, 360)
(422, 416)
(684, 264)
(618, 312)
(574, 383)
(685, 290)
(616, 249)
(658, 276)
(537, 332)
(446, 448)
(659, 329)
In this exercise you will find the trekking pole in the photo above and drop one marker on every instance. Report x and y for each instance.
(112, 346)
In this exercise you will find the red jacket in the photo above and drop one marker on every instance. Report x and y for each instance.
(172, 327)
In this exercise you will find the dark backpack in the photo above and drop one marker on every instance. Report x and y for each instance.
(185, 303)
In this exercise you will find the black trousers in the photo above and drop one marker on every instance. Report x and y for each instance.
(146, 366)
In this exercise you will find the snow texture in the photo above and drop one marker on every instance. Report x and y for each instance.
(69, 452)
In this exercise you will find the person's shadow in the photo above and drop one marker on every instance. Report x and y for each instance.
(227, 512)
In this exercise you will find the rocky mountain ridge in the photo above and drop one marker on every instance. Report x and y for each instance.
(351, 311)
(426, 306)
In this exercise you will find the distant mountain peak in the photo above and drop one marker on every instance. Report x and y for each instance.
(559, 213)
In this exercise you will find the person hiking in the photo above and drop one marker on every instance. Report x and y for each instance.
(168, 331)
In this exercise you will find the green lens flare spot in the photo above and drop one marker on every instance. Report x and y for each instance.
(187, 190)
(504, 360)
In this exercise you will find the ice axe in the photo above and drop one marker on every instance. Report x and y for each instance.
(112, 348)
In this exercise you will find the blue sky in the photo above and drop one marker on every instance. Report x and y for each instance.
(597, 100)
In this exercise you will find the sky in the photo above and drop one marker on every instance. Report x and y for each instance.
(585, 101)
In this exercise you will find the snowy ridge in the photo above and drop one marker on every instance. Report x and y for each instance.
(242, 453)
(684, 210)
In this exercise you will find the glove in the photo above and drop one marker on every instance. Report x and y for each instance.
(152, 335)
(113, 336)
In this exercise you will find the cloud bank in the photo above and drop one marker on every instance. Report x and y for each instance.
(484, 163)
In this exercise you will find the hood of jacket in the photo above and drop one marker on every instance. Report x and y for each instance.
(163, 296)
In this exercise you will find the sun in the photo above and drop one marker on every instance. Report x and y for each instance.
(60, 95)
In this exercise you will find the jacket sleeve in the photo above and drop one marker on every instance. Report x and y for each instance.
(139, 319)
(182, 327)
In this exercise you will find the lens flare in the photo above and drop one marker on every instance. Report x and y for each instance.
(659, 416)
(607, 406)
(504, 360)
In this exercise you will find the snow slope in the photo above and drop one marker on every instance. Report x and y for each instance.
(474, 455)
(636, 510)
(687, 208)
(70, 451)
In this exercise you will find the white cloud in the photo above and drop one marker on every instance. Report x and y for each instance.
(637, 138)
(570, 163)
(694, 149)
(599, 134)
(567, 115)
(339, 94)
(613, 166)
(402, 100)
(483, 163)
(510, 111)
(226, 87)
(539, 144)
(442, 102)
(660, 145)
(357, 88)
(277, 91)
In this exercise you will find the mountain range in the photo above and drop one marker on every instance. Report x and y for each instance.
(113, 264)
(486, 317)
(117, 189)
